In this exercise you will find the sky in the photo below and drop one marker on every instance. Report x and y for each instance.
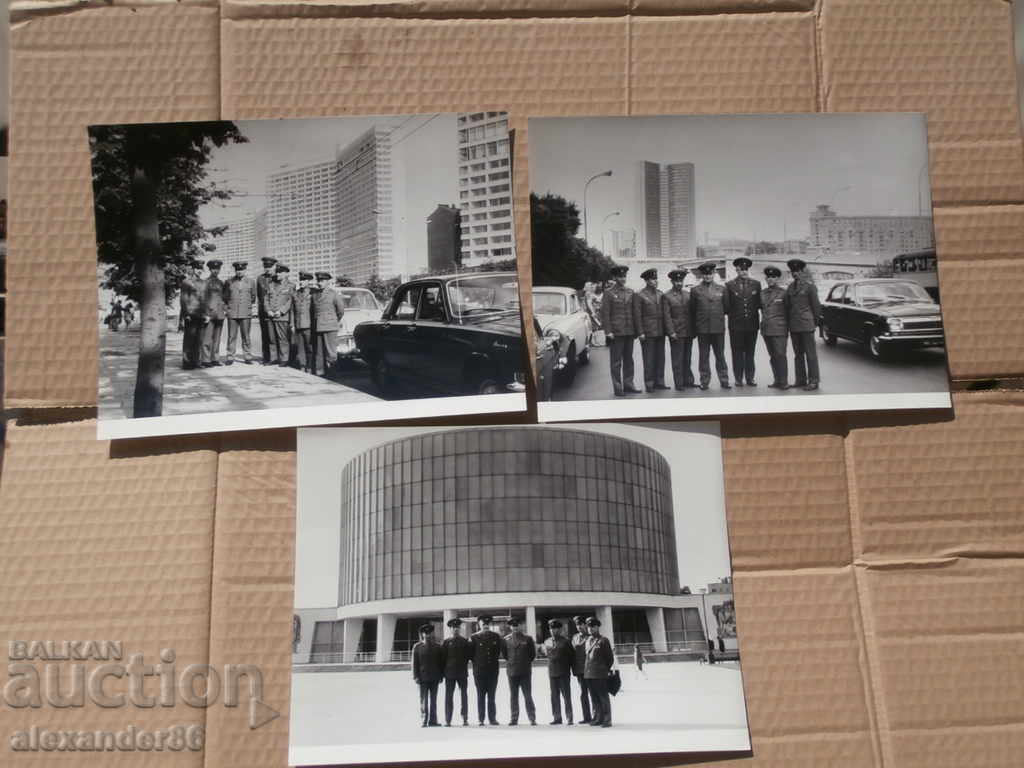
(424, 156)
(693, 450)
(756, 176)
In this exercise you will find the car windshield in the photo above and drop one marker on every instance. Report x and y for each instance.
(874, 293)
(359, 300)
(482, 294)
(549, 303)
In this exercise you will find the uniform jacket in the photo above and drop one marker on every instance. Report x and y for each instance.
(278, 300)
(675, 307)
(742, 303)
(427, 662)
(707, 305)
(263, 283)
(456, 657)
(649, 310)
(302, 308)
(328, 309)
(484, 651)
(214, 305)
(804, 307)
(519, 651)
(600, 658)
(191, 299)
(241, 295)
(774, 311)
(561, 656)
(620, 314)
(579, 648)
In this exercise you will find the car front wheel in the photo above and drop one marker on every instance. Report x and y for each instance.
(877, 347)
(488, 387)
(383, 377)
(831, 339)
(585, 356)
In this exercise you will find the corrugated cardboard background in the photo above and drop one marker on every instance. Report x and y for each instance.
(877, 558)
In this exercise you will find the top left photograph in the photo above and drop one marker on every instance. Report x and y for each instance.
(274, 273)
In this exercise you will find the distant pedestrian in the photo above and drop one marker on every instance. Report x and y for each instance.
(638, 660)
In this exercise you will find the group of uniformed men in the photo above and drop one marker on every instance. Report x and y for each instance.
(700, 312)
(298, 324)
(588, 656)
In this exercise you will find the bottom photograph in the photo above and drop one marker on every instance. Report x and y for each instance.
(508, 592)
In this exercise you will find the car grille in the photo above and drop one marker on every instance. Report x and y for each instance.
(920, 326)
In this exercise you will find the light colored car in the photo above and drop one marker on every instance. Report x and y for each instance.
(361, 306)
(561, 309)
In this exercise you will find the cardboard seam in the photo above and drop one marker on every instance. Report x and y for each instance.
(24, 12)
(820, 85)
(866, 661)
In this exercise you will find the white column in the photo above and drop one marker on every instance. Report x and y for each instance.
(604, 615)
(385, 637)
(531, 621)
(656, 623)
(447, 616)
(353, 629)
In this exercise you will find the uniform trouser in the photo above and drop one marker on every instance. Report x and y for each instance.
(777, 355)
(428, 701)
(584, 697)
(325, 350)
(705, 343)
(620, 356)
(192, 342)
(211, 340)
(266, 337)
(682, 353)
(450, 684)
(602, 700)
(280, 340)
(805, 357)
(560, 690)
(486, 684)
(303, 338)
(242, 324)
(742, 344)
(653, 348)
(525, 684)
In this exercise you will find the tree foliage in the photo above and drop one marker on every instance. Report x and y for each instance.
(559, 256)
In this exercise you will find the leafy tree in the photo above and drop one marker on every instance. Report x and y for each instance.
(559, 257)
(762, 246)
(382, 289)
(149, 182)
(344, 282)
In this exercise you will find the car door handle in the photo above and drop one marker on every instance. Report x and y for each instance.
(410, 329)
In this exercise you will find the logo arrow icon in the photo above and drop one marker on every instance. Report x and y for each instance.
(260, 714)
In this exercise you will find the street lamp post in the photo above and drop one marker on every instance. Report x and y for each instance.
(703, 602)
(920, 174)
(586, 232)
(603, 222)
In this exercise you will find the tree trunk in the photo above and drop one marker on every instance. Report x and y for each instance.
(149, 381)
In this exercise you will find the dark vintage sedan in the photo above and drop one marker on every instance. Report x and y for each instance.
(448, 335)
(884, 314)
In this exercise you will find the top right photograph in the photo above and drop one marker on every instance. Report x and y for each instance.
(713, 265)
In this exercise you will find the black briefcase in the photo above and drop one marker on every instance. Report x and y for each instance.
(614, 682)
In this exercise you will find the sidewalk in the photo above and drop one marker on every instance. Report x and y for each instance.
(237, 387)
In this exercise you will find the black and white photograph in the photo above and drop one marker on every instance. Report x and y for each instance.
(512, 592)
(272, 273)
(731, 264)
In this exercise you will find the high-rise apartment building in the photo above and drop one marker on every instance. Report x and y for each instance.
(666, 207)
(244, 239)
(623, 244)
(485, 187)
(365, 233)
(443, 238)
(302, 219)
(875, 235)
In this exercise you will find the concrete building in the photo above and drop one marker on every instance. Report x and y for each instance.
(666, 211)
(243, 240)
(444, 238)
(876, 236)
(623, 244)
(302, 217)
(536, 523)
(485, 188)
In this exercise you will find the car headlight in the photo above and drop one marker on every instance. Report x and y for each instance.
(895, 324)
(553, 335)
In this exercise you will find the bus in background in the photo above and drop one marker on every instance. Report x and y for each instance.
(919, 266)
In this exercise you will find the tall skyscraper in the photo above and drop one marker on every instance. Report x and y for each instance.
(302, 222)
(485, 187)
(443, 238)
(666, 208)
(366, 208)
(243, 240)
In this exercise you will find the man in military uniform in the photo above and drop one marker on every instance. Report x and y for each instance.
(621, 321)
(707, 303)
(190, 313)
(456, 671)
(803, 313)
(427, 669)
(214, 312)
(600, 659)
(278, 303)
(775, 326)
(560, 660)
(328, 308)
(263, 283)
(743, 305)
(579, 661)
(519, 651)
(241, 296)
(652, 331)
(302, 323)
(485, 648)
(678, 321)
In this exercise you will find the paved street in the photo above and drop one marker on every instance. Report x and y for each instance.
(845, 369)
(357, 717)
(237, 387)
